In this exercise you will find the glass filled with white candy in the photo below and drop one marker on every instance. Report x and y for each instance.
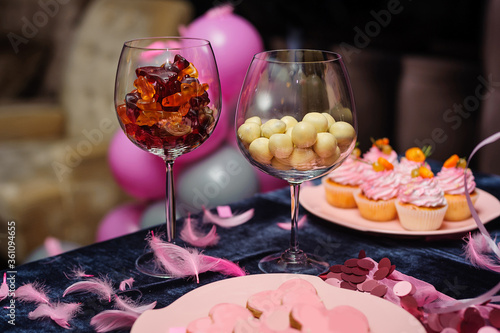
(296, 120)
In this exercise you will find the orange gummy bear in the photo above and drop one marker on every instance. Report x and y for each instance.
(121, 110)
(188, 90)
(146, 89)
(189, 70)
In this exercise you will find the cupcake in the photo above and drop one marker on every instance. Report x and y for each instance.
(341, 183)
(414, 158)
(381, 148)
(377, 195)
(421, 205)
(451, 179)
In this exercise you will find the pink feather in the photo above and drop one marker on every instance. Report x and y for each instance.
(128, 305)
(175, 260)
(32, 292)
(195, 238)
(126, 284)
(224, 266)
(61, 313)
(227, 222)
(181, 262)
(110, 320)
(77, 273)
(4, 288)
(101, 287)
(288, 225)
(476, 251)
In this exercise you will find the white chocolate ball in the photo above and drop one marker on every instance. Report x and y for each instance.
(254, 119)
(329, 161)
(289, 121)
(280, 164)
(248, 132)
(329, 118)
(302, 159)
(280, 145)
(344, 133)
(259, 150)
(318, 120)
(325, 145)
(304, 135)
(272, 126)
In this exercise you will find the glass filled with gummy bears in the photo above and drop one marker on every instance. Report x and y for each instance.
(168, 102)
(296, 121)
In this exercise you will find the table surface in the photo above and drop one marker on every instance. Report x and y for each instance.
(439, 261)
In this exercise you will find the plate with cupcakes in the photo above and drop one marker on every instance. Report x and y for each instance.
(286, 303)
(379, 193)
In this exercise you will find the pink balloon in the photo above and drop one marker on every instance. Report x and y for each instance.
(120, 221)
(139, 173)
(234, 41)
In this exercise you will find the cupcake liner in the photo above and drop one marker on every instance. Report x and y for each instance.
(417, 218)
(338, 195)
(375, 210)
(458, 209)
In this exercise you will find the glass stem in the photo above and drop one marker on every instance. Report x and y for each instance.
(294, 196)
(170, 201)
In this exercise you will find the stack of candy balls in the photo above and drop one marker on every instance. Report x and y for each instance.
(212, 175)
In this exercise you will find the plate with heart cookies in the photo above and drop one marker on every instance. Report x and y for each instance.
(297, 301)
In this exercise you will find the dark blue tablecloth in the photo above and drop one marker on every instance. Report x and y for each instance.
(438, 261)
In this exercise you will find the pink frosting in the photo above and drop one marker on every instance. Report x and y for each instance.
(350, 172)
(451, 180)
(423, 192)
(374, 153)
(381, 185)
(405, 167)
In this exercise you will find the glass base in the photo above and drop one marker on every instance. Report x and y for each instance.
(295, 262)
(146, 265)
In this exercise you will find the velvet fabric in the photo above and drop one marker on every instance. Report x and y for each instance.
(439, 261)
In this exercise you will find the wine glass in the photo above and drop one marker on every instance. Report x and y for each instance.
(296, 121)
(168, 102)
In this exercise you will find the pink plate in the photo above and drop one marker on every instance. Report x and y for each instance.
(313, 199)
(383, 316)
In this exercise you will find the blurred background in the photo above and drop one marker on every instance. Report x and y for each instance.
(423, 73)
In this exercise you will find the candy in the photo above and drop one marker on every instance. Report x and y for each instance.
(280, 145)
(169, 106)
(280, 164)
(317, 120)
(259, 150)
(344, 133)
(302, 158)
(331, 160)
(329, 118)
(325, 145)
(254, 119)
(272, 126)
(289, 121)
(248, 132)
(304, 135)
(144, 88)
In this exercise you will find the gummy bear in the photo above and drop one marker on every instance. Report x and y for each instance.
(122, 114)
(146, 89)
